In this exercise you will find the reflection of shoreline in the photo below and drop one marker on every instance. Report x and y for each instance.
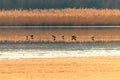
(47, 42)
(60, 35)
(85, 68)
(60, 17)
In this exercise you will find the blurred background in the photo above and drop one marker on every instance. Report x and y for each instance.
(58, 4)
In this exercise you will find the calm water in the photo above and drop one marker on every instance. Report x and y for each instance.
(52, 50)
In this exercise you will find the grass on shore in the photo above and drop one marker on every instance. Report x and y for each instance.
(60, 17)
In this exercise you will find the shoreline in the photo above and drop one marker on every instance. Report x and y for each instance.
(60, 17)
(60, 35)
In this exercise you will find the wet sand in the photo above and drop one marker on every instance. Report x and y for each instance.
(60, 35)
(81, 68)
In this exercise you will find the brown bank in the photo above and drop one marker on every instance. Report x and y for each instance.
(82, 68)
(60, 35)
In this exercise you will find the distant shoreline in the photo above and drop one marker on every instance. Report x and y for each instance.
(60, 17)
(55, 27)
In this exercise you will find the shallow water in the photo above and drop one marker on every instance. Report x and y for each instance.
(52, 50)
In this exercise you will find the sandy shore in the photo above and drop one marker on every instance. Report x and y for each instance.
(61, 34)
(82, 68)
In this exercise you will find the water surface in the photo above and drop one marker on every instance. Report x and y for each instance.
(53, 50)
